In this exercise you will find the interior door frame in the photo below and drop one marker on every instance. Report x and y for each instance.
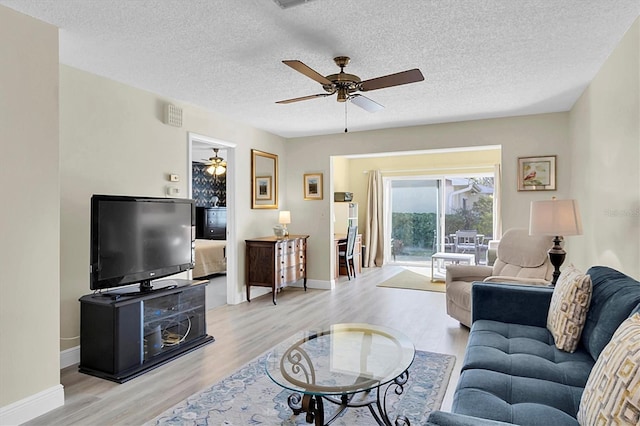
(231, 248)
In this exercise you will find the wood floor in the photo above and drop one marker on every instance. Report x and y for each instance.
(247, 330)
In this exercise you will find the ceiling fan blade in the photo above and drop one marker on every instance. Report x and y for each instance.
(397, 79)
(304, 98)
(309, 72)
(365, 103)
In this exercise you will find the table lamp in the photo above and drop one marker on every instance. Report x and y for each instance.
(557, 218)
(284, 219)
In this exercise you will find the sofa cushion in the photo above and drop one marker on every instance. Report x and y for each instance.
(524, 351)
(515, 304)
(443, 418)
(520, 400)
(569, 306)
(612, 393)
(614, 297)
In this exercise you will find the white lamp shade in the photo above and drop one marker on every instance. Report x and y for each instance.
(285, 217)
(555, 217)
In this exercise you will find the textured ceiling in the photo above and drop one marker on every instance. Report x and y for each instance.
(480, 59)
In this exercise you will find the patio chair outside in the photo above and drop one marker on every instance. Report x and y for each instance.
(467, 242)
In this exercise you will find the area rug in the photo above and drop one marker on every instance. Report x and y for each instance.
(249, 397)
(414, 281)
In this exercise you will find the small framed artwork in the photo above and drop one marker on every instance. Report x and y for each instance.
(537, 173)
(263, 187)
(313, 186)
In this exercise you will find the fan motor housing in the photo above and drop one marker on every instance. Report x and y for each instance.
(343, 83)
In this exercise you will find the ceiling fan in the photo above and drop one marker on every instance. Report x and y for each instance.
(216, 165)
(346, 85)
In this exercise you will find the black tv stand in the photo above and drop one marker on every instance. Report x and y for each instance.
(143, 289)
(128, 334)
(145, 286)
(150, 290)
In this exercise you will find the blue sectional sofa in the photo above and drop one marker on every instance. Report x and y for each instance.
(512, 372)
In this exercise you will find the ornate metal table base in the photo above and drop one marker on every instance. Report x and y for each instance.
(313, 405)
(347, 366)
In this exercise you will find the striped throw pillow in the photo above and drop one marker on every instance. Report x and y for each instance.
(568, 309)
(612, 393)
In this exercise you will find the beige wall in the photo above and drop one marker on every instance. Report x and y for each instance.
(113, 141)
(545, 134)
(340, 174)
(29, 217)
(605, 138)
(431, 164)
(598, 149)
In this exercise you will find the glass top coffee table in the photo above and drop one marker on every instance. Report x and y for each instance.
(349, 365)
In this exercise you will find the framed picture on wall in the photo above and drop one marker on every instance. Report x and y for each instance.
(263, 187)
(537, 173)
(313, 186)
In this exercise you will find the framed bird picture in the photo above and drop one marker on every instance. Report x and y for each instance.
(537, 173)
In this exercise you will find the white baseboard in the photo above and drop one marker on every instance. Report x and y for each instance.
(33, 406)
(70, 356)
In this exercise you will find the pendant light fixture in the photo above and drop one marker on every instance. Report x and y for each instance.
(217, 164)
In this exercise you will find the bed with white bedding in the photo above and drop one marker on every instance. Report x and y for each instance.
(210, 258)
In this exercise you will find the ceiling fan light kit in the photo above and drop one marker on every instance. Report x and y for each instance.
(216, 165)
(346, 85)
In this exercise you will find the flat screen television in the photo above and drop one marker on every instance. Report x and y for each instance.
(139, 239)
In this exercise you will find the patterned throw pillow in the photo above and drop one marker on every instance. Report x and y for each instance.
(612, 393)
(568, 309)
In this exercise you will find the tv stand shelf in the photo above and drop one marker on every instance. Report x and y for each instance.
(123, 335)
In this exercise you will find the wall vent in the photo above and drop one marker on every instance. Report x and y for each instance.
(172, 115)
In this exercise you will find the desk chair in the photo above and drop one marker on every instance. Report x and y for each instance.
(345, 253)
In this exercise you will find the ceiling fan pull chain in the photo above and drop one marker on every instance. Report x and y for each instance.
(345, 117)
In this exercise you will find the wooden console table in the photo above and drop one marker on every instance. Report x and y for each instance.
(275, 263)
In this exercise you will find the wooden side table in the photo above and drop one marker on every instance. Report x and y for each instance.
(275, 263)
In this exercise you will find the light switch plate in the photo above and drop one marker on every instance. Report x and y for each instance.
(172, 191)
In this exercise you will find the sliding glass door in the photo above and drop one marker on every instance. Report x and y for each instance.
(423, 215)
(468, 205)
(412, 219)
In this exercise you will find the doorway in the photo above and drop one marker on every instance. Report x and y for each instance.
(351, 172)
(221, 289)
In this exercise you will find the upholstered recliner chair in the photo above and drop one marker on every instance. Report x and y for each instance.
(521, 259)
